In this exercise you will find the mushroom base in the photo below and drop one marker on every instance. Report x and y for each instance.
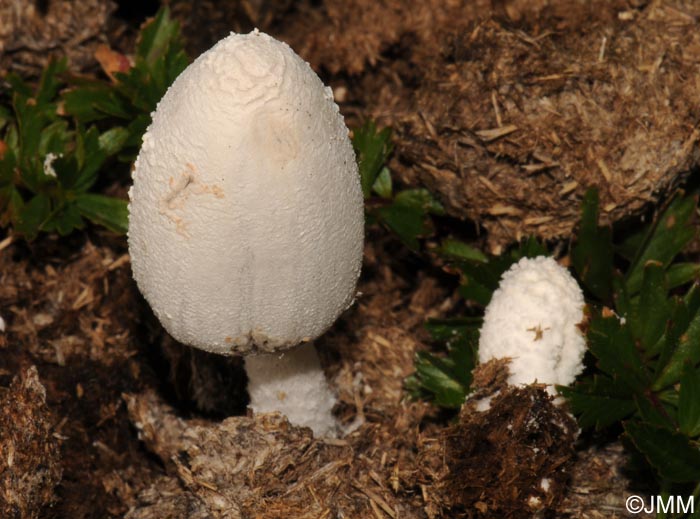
(293, 384)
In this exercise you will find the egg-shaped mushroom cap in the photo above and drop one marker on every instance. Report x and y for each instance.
(533, 319)
(246, 217)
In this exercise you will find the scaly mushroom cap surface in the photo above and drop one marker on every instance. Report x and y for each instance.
(246, 215)
(532, 319)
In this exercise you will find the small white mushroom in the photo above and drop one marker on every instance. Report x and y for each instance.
(246, 216)
(532, 318)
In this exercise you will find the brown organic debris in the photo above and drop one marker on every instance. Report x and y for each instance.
(29, 455)
(259, 467)
(33, 32)
(510, 110)
(510, 461)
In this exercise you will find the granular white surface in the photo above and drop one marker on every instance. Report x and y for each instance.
(246, 220)
(532, 319)
(292, 383)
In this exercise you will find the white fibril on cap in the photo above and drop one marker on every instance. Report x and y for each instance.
(246, 219)
(532, 318)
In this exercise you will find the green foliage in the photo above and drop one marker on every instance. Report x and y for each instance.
(647, 347)
(446, 379)
(54, 145)
(407, 212)
(129, 100)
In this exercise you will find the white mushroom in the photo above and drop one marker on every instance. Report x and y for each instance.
(246, 216)
(532, 318)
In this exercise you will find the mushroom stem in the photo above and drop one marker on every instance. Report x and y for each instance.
(293, 384)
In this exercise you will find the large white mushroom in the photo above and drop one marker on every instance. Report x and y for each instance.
(246, 218)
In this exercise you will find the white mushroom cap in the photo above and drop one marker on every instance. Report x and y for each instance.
(532, 318)
(246, 215)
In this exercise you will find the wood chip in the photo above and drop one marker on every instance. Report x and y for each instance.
(376, 499)
(120, 261)
(6, 242)
(496, 133)
(500, 210)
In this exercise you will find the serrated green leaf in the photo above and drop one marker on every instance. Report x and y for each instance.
(652, 411)
(372, 148)
(617, 356)
(598, 402)
(670, 453)
(592, 255)
(669, 234)
(107, 211)
(458, 250)
(689, 401)
(382, 185)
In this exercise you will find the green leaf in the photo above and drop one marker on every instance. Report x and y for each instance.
(89, 159)
(372, 148)
(65, 221)
(112, 141)
(33, 216)
(652, 411)
(595, 403)
(157, 37)
(592, 255)
(682, 312)
(617, 356)
(669, 234)
(654, 309)
(407, 222)
(689, 401)
(107, 211)
(436, 377)
(448, 330)
(419, 199)
(92, 101)
(670, 453)
(687, 352)
(382, 185)
(458, 250)
(679, 274)
(49, 82)
(530, 248)
(54, 138)
(446, 380)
